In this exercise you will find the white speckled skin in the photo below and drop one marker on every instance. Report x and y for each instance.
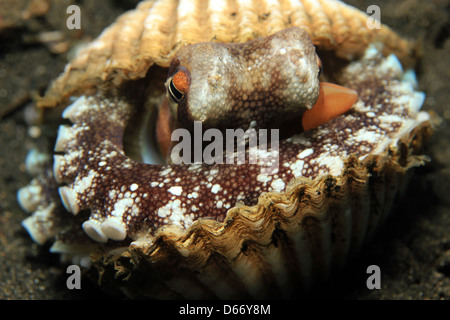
(127, 198)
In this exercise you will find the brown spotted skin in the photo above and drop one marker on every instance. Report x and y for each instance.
(123, 198)
(146, 197)
(260, 83)
(150, 195)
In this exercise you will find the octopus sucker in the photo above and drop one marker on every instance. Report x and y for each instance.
(350, 137)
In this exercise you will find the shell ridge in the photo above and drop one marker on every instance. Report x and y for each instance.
(320, 23)
(127, 37)
(193, 22)
(152, 42)
(339, 28)
(224, 17)
(275, 17)
(249, 28)
(298, 16)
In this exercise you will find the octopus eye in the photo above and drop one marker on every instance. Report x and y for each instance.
(179, 86)
(319, 64)
(175, 94)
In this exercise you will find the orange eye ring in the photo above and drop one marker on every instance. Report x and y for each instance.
(179, 85)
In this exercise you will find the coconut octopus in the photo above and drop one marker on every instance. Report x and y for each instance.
(116, 196)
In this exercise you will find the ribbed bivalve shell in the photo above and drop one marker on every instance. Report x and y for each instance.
(155, 30)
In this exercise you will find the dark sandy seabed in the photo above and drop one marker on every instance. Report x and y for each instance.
(412, 249)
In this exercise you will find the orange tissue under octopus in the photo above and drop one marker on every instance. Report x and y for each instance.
(333, 101)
